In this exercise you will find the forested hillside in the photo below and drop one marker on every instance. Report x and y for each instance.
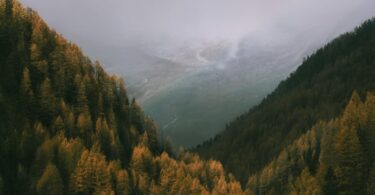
(333, 157)
(67, 127)
(318, 90)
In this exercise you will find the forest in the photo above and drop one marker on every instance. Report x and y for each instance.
(317, 91)
(333, 157)
(68, 127)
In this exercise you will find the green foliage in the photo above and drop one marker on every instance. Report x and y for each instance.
(371, 181)
(27, 93)
(81, 135)
(47, 102)
(340, 166)
(318, 90)
(67, 127)
(330, 182)
(1, 186)
(350, 161)
(51, 97)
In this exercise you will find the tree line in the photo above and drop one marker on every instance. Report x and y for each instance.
(68, 127)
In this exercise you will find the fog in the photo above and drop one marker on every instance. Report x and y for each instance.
(168, 23)
(195, 65)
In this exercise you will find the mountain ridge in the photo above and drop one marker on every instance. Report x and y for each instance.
(304, 97)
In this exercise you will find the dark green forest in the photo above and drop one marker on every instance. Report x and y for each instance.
(318, 90)
(333, 157)
(68, 127)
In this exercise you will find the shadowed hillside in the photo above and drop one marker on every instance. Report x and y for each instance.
(318, 90)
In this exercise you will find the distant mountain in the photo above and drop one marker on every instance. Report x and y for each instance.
(318, 90)
(146, 74)
(222, 78)
(226, 81)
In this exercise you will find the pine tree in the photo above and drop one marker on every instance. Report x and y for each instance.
(50, 182)
(153, 141)
(1, 186)
(47, 101)
(103, 135)
(136, 116)
(350, 161)
(70, 124)
(26, 92)
(58, 125)
(84, 124)
(353, 114)
(82, 102)
(371, 181)
(350, 168)
(91, 175)
(330, 182)
(368, 129)
(123, 183)
(122, 93)
(9, 9)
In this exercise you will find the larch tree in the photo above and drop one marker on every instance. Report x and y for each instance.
(50, 182)
(350, 160)
(371, 181)
(26, 87)
(91, 174)
(47, 101)
(58, 125)
(122, 183)
(368, 129)
(102, 132)
(27, 95)
(330, 182)
(82, 102)
(84, 124)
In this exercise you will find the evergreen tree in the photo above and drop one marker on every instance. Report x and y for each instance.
(1, 186)
(353, 114)
(368, 129)
(58, 125)
(47, 101)
(9, 9)
(123, 183)
(26, 88)
(91, 174)
(330, 182)
(26, 92)
(350, 161)
(153, 141)
(136, 115)
(103, 135)
(84, 124)
(371, 181)
(82, 102)
(70, 124)
(50, 182)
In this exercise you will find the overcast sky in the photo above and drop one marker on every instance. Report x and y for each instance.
(118, 22)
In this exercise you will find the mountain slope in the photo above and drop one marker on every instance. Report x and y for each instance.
(333, 157)
(224, 85)
(68, 127)
(318, 90)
